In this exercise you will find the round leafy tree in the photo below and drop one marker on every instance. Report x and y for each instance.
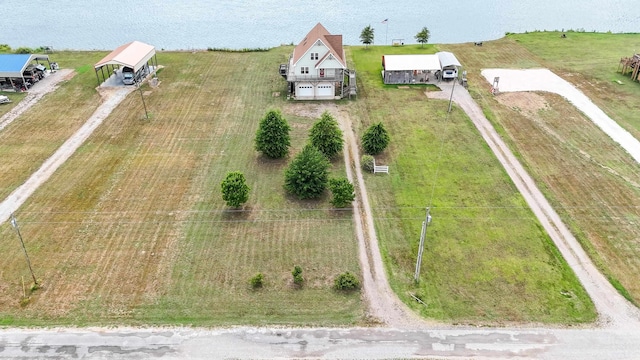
(272, 137)
(235, 190)
(308, 174)
(343, 193)
(375, 139)
(326, 135)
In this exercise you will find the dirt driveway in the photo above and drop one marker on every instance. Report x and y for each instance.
(111, 99)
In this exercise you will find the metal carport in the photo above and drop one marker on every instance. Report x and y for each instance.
(406, 69)
(12, 66)
(135, 55)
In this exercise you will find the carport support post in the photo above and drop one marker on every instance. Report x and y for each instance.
(97, 77)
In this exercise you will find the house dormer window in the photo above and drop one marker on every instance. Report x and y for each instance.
(304, 70)
(314, 56)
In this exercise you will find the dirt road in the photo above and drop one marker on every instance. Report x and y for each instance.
(613, 309)
(383, 303)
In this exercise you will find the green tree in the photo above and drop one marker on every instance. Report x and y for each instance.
(366, 36)
(326, 135)
(423, 36)
(272, 137)
(235, 190)
(375, 139)
(308, 174)
(342, 191)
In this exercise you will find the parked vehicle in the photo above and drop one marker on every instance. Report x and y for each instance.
(128, 76)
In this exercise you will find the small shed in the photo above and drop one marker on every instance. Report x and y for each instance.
(409, 69)
(20, 71)
(449, 63)
(135, 55)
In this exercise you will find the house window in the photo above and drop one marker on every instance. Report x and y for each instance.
(304, 70)
(314, 56)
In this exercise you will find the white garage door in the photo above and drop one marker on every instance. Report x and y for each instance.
(304, 90)
(325, 90)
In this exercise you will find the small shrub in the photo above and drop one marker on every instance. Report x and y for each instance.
(367, 163)
(346, 281)
(257, 281)
(297, 275)
(25, 301)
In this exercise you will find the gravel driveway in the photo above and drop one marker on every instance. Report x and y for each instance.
(544, 80)
(613, 309)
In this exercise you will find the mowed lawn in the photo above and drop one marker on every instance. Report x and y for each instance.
(592, 182)
(132, 229)
(487, 259)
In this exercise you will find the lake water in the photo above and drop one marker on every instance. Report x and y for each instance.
(192, 24)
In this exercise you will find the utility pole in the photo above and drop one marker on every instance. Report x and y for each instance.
(143, 103)
(451, 97)
(425, 224)
(14, 223)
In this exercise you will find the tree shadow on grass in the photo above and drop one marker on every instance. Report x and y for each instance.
(236, 214)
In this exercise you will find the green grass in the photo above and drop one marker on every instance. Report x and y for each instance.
(15, 99)
(487, 260)
(596, 194)
(132, 229)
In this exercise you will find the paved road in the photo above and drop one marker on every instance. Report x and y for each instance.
(320, 343)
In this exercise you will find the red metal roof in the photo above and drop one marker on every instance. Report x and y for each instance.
(319, 32)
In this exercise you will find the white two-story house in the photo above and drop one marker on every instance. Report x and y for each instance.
(317, 68)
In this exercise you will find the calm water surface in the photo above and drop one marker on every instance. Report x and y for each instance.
(192, 24)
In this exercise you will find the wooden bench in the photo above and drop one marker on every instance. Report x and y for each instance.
(380, 168)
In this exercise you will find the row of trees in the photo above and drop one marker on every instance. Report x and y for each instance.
(367, 36)
(307, 176)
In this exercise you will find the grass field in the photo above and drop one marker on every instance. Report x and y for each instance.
(15, 99)
(35, 135)
(590, 181)
(487, 260)
(133, 230)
